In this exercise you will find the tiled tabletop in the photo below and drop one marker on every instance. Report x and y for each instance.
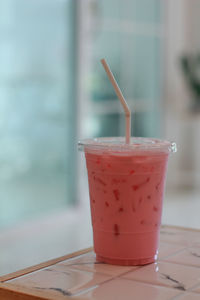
(176, 275)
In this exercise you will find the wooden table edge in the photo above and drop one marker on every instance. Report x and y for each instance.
(14, 292)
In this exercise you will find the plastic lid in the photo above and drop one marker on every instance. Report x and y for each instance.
(118, 144)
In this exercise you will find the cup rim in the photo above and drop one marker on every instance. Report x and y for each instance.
(118, 144)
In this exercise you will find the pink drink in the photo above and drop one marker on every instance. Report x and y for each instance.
(126, 185)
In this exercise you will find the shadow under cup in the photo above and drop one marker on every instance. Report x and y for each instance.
(126, 186)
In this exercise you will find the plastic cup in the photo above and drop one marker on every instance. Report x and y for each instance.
(126, 186)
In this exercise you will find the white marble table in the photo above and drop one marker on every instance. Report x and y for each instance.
(176, 275)
(35, 241)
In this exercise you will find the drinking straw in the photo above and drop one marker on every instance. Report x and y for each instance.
(121, 98)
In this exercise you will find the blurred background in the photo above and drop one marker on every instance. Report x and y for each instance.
(54, 91)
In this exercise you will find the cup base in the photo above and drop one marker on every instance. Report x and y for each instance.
(126, 262)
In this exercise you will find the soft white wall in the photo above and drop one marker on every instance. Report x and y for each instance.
(182, 18)
(193, 24)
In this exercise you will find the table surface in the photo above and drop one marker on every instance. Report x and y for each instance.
(176, 275)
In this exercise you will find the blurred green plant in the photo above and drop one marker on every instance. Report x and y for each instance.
(190, 65)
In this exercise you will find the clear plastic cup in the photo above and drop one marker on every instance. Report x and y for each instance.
(126, 186)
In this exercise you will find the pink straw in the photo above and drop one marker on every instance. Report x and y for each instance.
(121, 98)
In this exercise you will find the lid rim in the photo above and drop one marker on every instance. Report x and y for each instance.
(118, 143)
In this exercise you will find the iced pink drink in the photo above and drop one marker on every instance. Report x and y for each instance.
(126, 194)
